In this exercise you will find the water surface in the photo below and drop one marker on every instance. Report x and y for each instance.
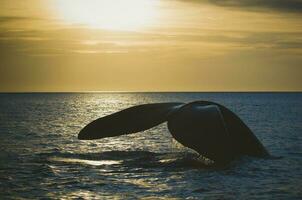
(41, 157)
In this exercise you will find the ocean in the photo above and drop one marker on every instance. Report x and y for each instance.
(41, 157)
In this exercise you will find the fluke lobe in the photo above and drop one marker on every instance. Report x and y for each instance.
(209, 128)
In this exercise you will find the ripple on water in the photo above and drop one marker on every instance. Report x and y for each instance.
(41, 156)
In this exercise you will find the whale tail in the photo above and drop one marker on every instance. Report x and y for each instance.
(206, 127)
(214, 132)
(131, 120)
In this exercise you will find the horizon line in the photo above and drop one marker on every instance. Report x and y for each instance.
(133, 91)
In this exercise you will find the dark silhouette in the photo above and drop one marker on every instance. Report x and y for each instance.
(209, 128)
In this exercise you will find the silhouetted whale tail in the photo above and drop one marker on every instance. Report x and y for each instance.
(131, 120)
(206, 127)
(214, 132)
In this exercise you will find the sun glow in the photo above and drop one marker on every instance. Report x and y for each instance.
(109, 14)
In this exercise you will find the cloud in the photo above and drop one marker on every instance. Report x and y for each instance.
(294, 6)
(66, 42)
(7, 19)
(57, 42)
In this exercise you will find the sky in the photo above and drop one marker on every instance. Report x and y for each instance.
(150, 45)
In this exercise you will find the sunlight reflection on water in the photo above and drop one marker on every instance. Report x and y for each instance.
(88, 162)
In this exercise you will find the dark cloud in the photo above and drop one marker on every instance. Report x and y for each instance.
(7, 19)
(289, 45)
(294, 6)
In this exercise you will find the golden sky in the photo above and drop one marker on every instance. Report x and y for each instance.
(150, 45)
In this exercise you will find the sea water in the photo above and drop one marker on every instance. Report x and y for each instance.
(41, 157)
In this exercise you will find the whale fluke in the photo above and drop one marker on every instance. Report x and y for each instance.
(209, 128)
(214, 132)
(206, 125)
(131, 120)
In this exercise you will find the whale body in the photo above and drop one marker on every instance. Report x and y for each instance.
(212, 130)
